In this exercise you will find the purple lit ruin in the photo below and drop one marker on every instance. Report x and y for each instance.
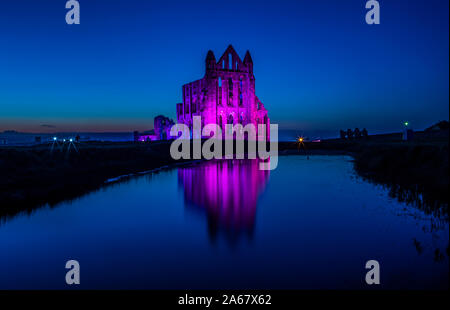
(161, 131)
(225, 95)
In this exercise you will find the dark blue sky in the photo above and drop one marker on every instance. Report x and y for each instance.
(318, 65)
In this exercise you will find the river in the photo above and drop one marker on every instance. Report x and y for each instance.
(311, 223)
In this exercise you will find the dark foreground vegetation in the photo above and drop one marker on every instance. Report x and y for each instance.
(33, 176)
(414, 173)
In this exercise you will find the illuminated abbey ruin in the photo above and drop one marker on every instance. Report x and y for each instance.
(225, 95)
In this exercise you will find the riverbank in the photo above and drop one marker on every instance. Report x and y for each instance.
(415, 172)
(37, 175)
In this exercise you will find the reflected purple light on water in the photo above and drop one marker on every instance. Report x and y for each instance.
(227, 191)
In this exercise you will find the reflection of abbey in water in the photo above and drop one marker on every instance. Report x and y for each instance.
(227, 191)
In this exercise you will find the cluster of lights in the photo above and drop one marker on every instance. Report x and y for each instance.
(64, 140)
(63, 144)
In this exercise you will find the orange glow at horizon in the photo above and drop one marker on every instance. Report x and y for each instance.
(76, 125)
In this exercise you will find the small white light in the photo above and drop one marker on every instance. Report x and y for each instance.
(54, 138)
(70, 140)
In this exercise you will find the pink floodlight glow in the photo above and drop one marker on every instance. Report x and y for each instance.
(226, 190)
(225, 95)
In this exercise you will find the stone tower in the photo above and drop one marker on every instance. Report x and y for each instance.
(225, 95)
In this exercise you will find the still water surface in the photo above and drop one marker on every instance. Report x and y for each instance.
(308, 224)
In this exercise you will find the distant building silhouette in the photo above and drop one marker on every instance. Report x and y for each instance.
(349, 134)
(364, 133)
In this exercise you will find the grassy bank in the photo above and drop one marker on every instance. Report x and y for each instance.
(415, 172)
(33, 176)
